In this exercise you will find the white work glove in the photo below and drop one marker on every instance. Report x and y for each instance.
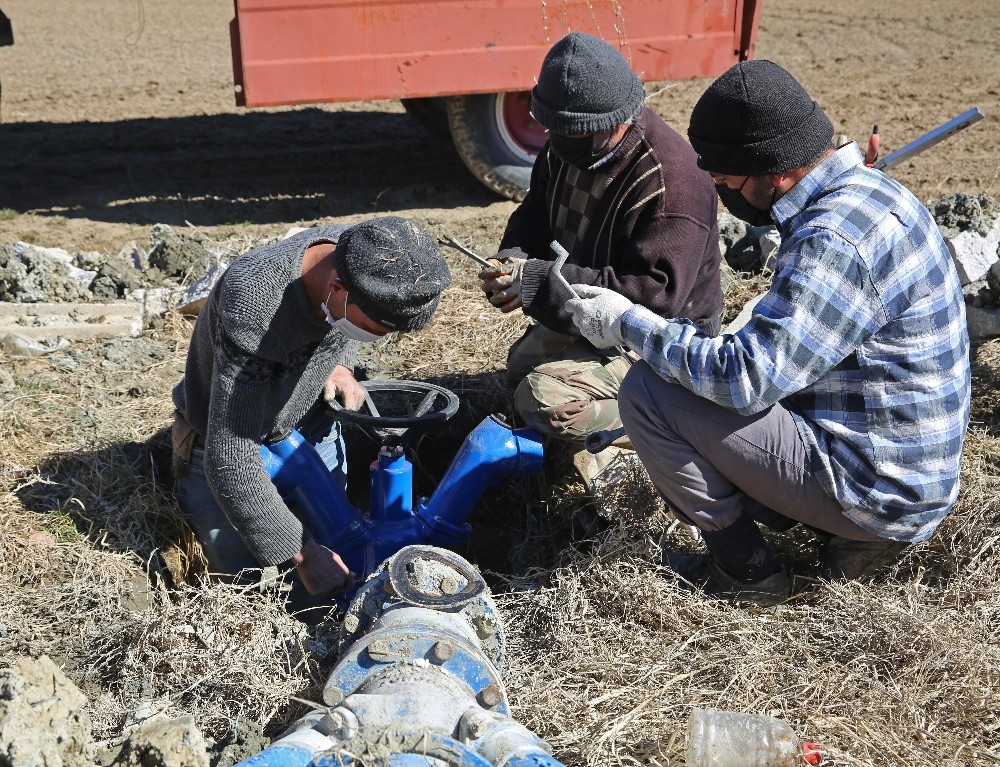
(597, 313)
(343, 387)
(502, 282)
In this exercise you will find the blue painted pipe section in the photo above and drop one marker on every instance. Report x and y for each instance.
(491, 452)
(430, 744)
(537, 759)
(416, 675)
(280, 756)
(300, 475)
(392, 485)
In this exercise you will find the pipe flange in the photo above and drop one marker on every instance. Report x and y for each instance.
(433, 587)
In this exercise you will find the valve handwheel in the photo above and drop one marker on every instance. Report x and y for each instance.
(427, 405)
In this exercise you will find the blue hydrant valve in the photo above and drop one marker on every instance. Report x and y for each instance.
(491, 452)
(419, 674)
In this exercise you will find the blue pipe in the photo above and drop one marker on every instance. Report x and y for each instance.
(491, 452)
(280, 756)
(300, 474)
(429, 744)
(536, 759)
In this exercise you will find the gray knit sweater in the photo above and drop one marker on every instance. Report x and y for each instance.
(258, 361)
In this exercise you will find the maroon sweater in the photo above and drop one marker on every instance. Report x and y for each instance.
(643, 224)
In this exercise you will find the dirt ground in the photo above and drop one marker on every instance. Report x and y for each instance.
(116, 116)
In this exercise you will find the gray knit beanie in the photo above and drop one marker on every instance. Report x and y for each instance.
(393, 271)
(585, 87)
(756, 119)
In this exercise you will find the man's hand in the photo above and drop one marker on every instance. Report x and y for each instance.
(342, 386)
(322, 571)
(598, 314)
(502, 280)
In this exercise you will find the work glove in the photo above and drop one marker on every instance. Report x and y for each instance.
(341, 386)
(502, 279)
(597, 313)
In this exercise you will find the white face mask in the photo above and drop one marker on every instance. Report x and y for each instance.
(345, 327)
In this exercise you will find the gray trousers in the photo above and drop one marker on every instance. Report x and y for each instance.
(707, 460)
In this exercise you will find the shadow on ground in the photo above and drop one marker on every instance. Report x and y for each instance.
(257, 167)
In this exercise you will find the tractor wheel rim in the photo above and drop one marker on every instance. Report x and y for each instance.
(521, 135)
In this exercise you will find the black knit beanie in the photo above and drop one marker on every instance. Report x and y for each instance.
(393, 271)
(756, 119)
(585, 87)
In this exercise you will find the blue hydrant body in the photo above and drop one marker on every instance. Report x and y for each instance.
(491, 452)
(418, 680)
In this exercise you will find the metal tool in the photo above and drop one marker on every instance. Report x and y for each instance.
(453, 243)
(596, 441)
(561, 255)
(929, 139)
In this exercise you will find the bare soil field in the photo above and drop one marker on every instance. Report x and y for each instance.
(116, 116)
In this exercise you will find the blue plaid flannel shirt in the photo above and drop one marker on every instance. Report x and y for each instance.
(862, 337)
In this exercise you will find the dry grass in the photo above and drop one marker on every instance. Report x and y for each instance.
(606, 656)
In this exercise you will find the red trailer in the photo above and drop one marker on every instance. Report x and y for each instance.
(467, 66)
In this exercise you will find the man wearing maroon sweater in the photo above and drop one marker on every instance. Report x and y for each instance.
(622, 193)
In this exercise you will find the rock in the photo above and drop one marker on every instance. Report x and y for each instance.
(193, 298)
(731, 231)
(31, 275)
(970, 225)
(179, 255)
(293, 231)
(974, 253)
(155, 302)
(769, 241)
(164, 742)
(965, 213)
(983, 321)
(116, 277)
(42, 718)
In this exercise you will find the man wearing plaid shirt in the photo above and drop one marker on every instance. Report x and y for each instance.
(843, 402)
(622, 193)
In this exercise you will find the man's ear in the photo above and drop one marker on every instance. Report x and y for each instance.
(334, 284)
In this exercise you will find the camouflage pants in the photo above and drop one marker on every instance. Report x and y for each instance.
(566, 389)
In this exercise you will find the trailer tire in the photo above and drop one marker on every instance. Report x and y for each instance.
(431, 112)
(496, 139)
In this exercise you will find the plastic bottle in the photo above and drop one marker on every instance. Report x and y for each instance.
(730, 739)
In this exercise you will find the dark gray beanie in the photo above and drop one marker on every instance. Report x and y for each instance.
(756, 119)
(393, 271)
(586, 86)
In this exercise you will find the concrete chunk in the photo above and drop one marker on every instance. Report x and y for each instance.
(155, 302)
(193, 298)
(75, 321)
(983, 321)
(974, 253)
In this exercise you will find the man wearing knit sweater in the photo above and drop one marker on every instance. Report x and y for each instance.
(277, 337)
(622, 193)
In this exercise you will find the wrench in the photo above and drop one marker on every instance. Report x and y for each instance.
(561, 255)
(596, 441)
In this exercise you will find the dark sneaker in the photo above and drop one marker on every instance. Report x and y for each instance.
(701, 571)
(858, 560)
